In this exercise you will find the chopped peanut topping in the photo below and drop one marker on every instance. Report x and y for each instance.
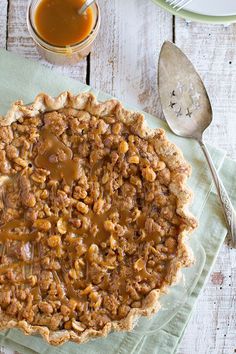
(123, 147)
(108, 225)
(139, 264)
(149, 174)
(42, 225)
(54, 241)
(82, 207)
(134, 159)
(62, 226)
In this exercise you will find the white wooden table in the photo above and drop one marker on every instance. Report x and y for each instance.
(124, 63)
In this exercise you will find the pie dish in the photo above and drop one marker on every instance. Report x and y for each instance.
(93, 217)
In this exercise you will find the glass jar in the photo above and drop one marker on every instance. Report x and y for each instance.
(62, 55)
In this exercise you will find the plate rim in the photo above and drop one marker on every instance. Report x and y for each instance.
(193, 16)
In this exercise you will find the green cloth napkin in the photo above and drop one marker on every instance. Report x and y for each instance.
(22, 79)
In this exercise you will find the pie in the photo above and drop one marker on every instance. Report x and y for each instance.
(93, 217)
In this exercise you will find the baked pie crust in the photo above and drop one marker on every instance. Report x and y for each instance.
(93, 214)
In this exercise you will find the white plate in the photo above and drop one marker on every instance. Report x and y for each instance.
(213, 7)
(206, 11)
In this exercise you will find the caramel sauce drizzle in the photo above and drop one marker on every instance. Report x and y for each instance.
(5, 267)
(88, 237)
(56, 157)
(7, 234)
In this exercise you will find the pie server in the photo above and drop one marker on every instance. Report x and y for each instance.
(188, 112)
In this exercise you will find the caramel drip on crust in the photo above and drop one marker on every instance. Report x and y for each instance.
(56, 157)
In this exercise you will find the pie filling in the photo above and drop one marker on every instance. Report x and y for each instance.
(89, 221)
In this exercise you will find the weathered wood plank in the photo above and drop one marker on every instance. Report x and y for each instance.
(124, 58)
(212, 327)
(211, 49)
(19, 41)
(3, 23)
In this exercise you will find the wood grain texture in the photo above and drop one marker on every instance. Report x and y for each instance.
(212, 51)
(212, 328)
(124, 58)
(3, 23)
(20, 42)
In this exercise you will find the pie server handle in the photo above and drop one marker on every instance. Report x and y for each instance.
(229, 212)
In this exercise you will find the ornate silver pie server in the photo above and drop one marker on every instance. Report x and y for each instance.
(187, 109)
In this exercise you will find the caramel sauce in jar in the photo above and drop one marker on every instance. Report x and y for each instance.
(59, 23)
(63, 36)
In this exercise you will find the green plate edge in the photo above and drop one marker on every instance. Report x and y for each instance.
(192, 16)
